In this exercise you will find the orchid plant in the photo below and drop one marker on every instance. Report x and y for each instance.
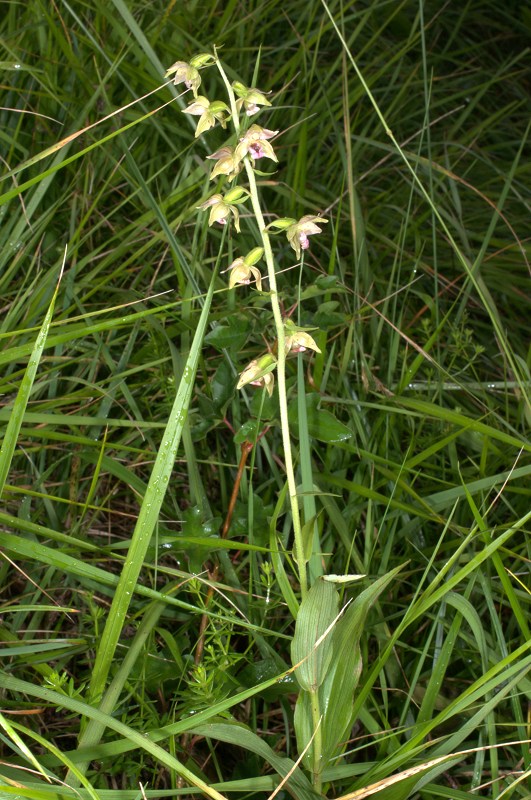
(247, 145)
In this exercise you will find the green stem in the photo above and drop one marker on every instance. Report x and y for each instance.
(232, 100)
(317, 744)
(298, 545)
(281, 377)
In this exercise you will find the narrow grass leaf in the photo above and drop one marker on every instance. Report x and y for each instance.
(147, 520)
(21, 745)
(21, 401)
(75, 706)
(237, 734)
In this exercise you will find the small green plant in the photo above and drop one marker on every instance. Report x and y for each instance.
(248, 143)
(325, 652)
(156, 634)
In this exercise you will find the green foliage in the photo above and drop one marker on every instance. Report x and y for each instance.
(406, 126)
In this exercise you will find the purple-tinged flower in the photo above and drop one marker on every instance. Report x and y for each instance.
(224, 207)
(220, 211)
(188, 72)
(242, 274)
(254, 143)
(243, 269)
(250, 99)
(259, 373)
(301, 341)
(298, 232)
(298, 339)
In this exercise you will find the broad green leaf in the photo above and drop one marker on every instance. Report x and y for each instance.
(322, 424)
(302, 722)
(311, 649)
(336, 693)
(230, 335)
(222, 385)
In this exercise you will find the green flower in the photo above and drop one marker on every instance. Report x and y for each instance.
(184, 72)
(188, 72)
(227, 163)
(243, 269)
(298, 232)
(208, 113)
(249, 99)
(259, 373)
(224, 207)
(254, 143)
(298, 339)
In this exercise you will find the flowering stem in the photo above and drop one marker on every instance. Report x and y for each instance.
(281, 377)
(298, 545)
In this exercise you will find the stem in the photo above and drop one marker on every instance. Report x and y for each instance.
(317, 745)
(298, 545)
(232, 100)
(281, 377)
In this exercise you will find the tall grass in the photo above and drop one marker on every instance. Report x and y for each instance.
(143, 652)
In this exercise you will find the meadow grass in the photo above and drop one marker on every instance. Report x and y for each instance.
(149, 638)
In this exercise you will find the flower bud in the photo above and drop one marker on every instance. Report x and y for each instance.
(254, 256)
(282, 224)
(236, 194)
(202, 60)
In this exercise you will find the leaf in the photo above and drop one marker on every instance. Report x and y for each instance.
(21, 401)
(322, 424)
(302, 722)
(311, 648)
(222, 386)
(230, 335)
(337, 691)
(322, 285)
(237, 734)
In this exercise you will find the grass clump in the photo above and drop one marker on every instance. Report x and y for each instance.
(313, 586)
